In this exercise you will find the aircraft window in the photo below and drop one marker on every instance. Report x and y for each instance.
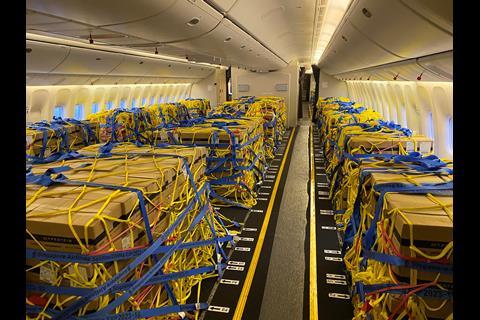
(152, 100)
(58, 111)
(109, 105)
(160, 99)
(430, 129)
(134, 102)
(450, 134)
(95, 107)
(404, 116)
(79, 112)
(123, 103)
(144, 100)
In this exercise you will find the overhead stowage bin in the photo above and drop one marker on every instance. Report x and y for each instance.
(122, 230)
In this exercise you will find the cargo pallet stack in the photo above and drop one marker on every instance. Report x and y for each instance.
(197, 107)
(271, 109)
(393, 203)
(125, 229)
(48, 140)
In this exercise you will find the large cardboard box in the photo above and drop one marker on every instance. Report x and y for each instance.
(366, 143)
(426, 225)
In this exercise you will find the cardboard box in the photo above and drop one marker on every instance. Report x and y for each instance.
(366, 143)
(432, 230)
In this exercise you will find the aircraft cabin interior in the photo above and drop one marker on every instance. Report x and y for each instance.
(239, 159)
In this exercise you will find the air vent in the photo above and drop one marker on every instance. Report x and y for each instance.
(227, 39)
(28, 50)
(193, 21)
(98, 59)
(243, 46)
(344, 38)
(141, 62)
(366, 13)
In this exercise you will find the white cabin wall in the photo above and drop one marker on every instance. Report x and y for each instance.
(264, 84)
(43, 99)
(424, 107)
(331, 87)
(212, 88)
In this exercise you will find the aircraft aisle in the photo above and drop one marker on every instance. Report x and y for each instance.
(287, 262)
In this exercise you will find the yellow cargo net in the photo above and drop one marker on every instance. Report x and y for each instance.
(348, 131)
(378, 272)
(237, 159)
(79, 211)
(62, 135)
(197, 107)
(271, 109)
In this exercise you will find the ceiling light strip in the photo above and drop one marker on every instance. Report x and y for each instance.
(334, 12)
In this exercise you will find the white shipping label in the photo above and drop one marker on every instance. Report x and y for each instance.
(236, 263)
(163, 136)
(336, 276)
(425, 147)
(47, 274)
(126, 243)
(410, 147)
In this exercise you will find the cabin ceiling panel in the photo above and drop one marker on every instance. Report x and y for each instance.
(350, 53)
(377, 32)
(441, 64)
(438, 12)
(84, 61)
(440, 69)
(285, 26)
(226, 5)
(103, 12)
(403, 32)
(230, 46)
(41, 57)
